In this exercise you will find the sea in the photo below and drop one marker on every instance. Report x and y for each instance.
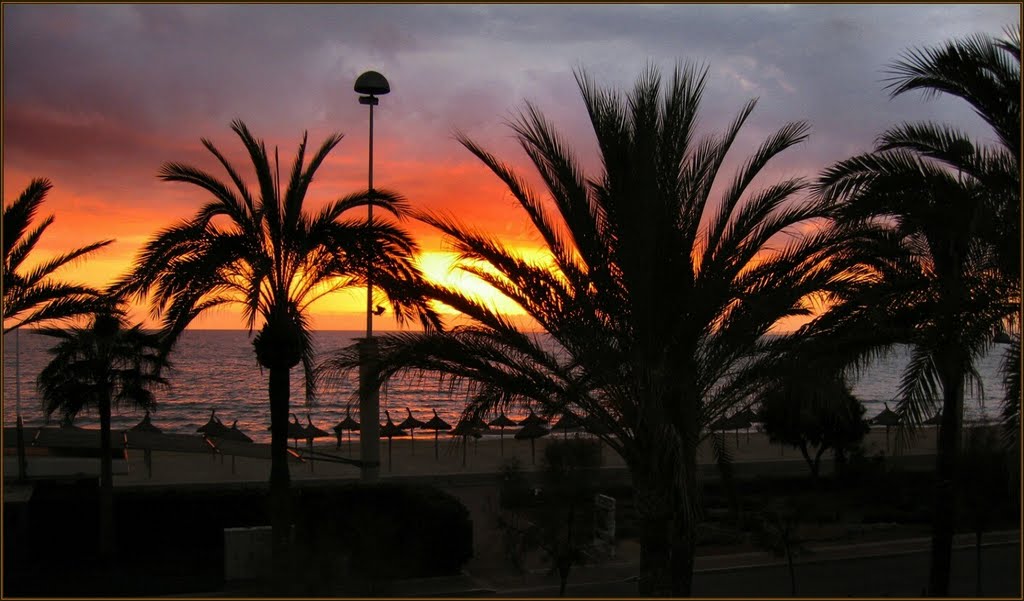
(217, 370)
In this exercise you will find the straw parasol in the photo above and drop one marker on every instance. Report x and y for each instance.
(748, 417)
(464, 429)
(213, 426)
(501, 422)
(313, 432)
(533, 418)
(295, 430)
(390, 430)
(436, 424)
(737, 422)
(145, 426)
(888, 419)
(147, 454)
(411, 423)
(234, 434)
(532, 431)
(346, 424)
(567, 422)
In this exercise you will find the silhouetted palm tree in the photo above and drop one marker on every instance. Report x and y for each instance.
(951, 211)
(102, 366)
(265, 254)
(33, 295)
(655, 302)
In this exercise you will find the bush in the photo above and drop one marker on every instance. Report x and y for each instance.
(171, 541)
(381, 532)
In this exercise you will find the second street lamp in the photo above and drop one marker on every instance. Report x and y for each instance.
(369, 86)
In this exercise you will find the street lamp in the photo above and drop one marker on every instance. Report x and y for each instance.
(369, 85)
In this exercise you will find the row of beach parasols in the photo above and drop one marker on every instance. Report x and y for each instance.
(531, 428)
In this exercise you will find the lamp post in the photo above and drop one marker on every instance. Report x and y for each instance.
(369, 86)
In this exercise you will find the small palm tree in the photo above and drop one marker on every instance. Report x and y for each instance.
(266, 255)
(33, 296)
(104, 366)
(656, 301)
(950, 278)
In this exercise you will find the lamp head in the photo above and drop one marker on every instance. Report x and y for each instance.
(372, 84)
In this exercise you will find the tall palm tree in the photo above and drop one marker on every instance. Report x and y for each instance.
(102, 366)
(951, 211)
(268, 256)
(33, 296)
(656, 301)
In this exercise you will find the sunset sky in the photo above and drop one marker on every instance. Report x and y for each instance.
(97, 97)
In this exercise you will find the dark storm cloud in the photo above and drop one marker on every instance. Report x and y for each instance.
(134, 83)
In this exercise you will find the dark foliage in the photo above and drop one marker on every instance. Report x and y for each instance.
(172, 541)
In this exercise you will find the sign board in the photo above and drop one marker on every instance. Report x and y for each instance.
(604, 524)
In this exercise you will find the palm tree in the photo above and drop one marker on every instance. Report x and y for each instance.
(951, 211)
(103, 366)
(656, 301)
(33, 296)
(266, 255)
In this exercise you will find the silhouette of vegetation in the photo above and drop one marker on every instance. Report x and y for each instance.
(779, 532)
(265, 253)
(813, 414)
(948, 261)
(558, 519)
(984, 478)
(656, 298)
(34, 296)
(104, 366)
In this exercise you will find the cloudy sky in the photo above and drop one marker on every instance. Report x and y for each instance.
(97, 97)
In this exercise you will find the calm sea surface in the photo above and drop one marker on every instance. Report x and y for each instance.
(216, 369)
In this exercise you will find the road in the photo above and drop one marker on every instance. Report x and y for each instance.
(890, 576)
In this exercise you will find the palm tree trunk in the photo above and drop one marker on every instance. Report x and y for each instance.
(280, 510)
(977, 566)
(106, 483)
(792, 571)
(949, 447)
(667, 533)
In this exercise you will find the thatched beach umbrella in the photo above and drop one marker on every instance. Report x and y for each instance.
(236, 435)
(465, 429)
(213, 426)
(348, 424)
(748, 417)
(147, 454)
(436, 424)
(313, 432)
(888, 419)
(145, 426)
(295, 430)
(233, 433)
(533, 418)
(501, 422)
(532, 431)
(567, 422)
(411, 423)
(737, 422)
(390, 430)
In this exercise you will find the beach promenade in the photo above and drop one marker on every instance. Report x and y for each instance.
(416, 458)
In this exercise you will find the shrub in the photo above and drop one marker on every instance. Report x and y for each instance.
(381, 531)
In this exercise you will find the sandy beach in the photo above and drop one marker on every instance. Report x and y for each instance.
(483, 456)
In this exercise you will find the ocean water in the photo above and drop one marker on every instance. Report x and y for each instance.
(217, 369)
